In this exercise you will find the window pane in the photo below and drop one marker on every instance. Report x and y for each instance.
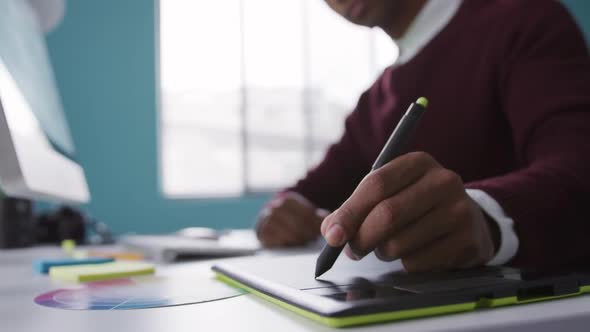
(189, 173)
(273, 43)
(386, 52)
(200, 45)
(274, 75)
(200, 95)
(254, 91)
(275, 139)
(340, 61)
(340, 56)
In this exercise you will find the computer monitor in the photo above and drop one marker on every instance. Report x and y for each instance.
(36, 149)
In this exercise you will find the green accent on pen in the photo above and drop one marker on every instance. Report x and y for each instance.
(422, 101)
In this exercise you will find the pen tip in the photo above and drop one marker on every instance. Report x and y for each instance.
(422, 101)
(319, 270)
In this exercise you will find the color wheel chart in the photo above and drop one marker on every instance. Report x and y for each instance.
(137, 293)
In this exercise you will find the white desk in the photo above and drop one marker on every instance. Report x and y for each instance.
(18, 312)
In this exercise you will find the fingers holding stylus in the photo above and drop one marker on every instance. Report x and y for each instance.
(416, 235)
(371, 197)
(415, 210)
(406, 209)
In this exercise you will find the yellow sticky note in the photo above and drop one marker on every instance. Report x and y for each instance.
(95, 272)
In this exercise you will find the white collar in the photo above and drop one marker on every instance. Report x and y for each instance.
(433, 17)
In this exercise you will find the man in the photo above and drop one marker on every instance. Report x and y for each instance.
(502, 169)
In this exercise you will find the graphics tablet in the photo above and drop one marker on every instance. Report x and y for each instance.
(371, 291)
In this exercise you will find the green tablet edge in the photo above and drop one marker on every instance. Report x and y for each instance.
(504, 301)
(353, 320)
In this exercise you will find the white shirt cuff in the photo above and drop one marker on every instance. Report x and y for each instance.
(508, 239)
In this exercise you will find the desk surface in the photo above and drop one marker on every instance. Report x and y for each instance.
(18, 312)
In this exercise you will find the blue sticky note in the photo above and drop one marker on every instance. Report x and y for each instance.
(43, 265)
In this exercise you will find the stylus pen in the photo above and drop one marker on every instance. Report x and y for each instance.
(393, 148)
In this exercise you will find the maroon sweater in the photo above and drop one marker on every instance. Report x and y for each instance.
(509, 89)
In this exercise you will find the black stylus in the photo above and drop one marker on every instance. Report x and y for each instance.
(392, 149)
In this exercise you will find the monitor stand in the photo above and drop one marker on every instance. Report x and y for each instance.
(16, 222)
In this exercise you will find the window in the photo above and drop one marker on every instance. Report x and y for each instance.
(253, 92)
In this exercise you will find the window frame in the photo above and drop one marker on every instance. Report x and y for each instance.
(308, 140)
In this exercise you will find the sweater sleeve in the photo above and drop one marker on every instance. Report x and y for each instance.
(345, 164)
(546, 99)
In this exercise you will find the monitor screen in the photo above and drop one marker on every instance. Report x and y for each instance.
(35, 143)
(23, 50)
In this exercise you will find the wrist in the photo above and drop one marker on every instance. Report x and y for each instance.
(494, 230)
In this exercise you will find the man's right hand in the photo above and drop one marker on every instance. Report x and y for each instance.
(289, 220)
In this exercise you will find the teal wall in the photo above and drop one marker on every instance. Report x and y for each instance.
(103, 56)
(581, 11)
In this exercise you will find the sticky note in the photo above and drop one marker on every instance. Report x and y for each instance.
(95, 272)
(118, 255)
(43, 265)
